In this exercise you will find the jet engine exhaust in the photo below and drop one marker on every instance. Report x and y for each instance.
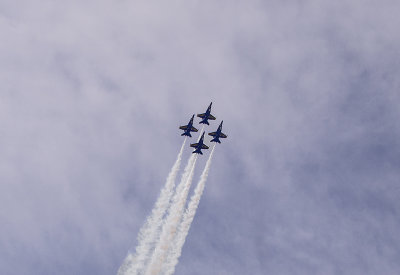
(183, 230)
(147, 237)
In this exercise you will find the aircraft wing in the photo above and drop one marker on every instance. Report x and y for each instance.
(201, 115)
(213, 134)
(223, 135)
(194, 145)
(211, 117)
(204, 146)
(193, 129)
(183, 127)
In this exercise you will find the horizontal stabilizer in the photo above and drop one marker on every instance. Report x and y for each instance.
(197, 151)
(204, 121)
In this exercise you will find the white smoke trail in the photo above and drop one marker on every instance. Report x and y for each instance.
(173, 219)
(183, 230)
(133, 264)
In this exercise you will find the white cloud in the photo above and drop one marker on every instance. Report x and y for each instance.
(308, 94)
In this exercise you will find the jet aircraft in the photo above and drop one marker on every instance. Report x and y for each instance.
(206, 116)
(188, 128)
(218, 134)
(199, 145)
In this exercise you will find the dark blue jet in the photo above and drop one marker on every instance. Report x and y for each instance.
(206, 116)
(188, 128)
(199, 145)
(218, 134)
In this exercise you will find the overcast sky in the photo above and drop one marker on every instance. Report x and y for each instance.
(91, 97)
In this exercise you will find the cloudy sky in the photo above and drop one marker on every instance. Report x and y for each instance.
(91, 97)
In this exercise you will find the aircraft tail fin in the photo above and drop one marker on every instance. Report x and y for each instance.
(204, 122)
(197, 151)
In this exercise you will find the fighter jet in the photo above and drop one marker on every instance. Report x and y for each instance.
(188, 128)
(206, 116)
(200, 145)
(218, 134)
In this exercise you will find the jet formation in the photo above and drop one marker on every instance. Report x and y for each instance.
(190, 128)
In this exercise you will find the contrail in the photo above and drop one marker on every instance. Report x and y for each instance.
(183, 230)
(133, 264)
(173, 219)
